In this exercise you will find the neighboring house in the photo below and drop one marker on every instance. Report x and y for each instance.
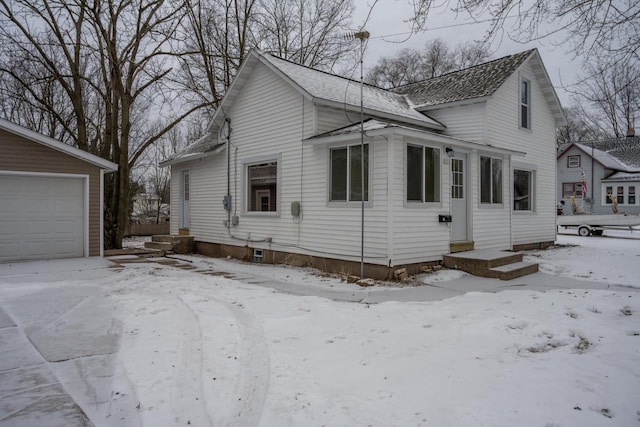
(610, 167)
(51, 197)
(476, 146)
(148, 209)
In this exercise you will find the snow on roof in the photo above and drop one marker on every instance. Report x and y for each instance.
(620, 154)
(201, 147)
(342, 91)
(623, 176)
(473, 82)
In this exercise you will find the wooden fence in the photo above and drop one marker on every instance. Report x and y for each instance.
(147, 229)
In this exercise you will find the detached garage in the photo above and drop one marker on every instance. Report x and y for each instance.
(51, 197)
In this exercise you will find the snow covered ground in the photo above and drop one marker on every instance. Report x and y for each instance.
(216, 342)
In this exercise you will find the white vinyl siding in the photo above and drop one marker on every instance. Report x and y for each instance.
(464, 122)
(538, 143)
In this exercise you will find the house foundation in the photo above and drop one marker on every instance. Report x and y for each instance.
(329, 265)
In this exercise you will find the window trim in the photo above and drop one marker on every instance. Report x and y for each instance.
(578, 156)
(573, 185)
(532, 190)
(246, 194)
(521, 104)
(421, 203)
(626, 193)
(350, 203)
(490, 203)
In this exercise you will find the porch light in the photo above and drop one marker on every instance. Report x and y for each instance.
(449, 151)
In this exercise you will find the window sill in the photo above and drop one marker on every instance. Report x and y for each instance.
(422, 205)
(491, 206)
(351, 205)
(523, 212)
(261, 214)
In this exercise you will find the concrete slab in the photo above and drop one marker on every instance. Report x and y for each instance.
(15, 350)
(86, 330)
(5, 320)
(54, 270)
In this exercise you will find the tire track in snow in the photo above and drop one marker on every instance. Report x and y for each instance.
(245, 404)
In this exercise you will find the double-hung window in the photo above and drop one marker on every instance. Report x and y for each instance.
(490, 180)
(525, 104)
(423, 174)
(346, 175)
(571, 189)
(262, 187)
(573, 161)
(522, 190)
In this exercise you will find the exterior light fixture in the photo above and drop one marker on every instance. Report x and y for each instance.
(449, 151)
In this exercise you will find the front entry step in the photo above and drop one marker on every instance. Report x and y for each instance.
(491, 263)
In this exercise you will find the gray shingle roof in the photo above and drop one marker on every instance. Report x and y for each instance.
(474, 82)
(620, 154)
(339, 90)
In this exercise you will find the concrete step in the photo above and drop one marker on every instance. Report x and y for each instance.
(483, 259)
(511, 271)
(162, 238)
(163, 246)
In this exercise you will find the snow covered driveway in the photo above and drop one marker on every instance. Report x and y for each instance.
(157, 345)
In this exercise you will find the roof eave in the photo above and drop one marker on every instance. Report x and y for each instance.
(54, 144)
(415, 133)
(459, 103)
(436, 125)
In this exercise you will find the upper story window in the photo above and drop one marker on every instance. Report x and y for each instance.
(345, 175)
(525, 104)
(490, 180)
(573, 161)
(423, 174)
(262, 187)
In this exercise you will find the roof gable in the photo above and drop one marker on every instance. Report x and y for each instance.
(326, 89)
(57, 145)
(618, 154)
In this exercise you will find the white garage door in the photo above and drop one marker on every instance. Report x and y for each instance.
(41, 217)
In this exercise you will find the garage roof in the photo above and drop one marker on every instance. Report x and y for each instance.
(57, 145)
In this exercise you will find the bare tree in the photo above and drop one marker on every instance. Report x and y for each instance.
(591, 26)
(109, 64)
(577, 128)
(609, 99)
(412, 65)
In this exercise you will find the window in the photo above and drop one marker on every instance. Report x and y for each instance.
(423, 174)
(631, 196)
(186, 192)
(571, 188)
(525, 104)
(609, 192)
(490, 180)
(345, 175)
(522, 190)
(573, 161)
(620, 198)
(262, 187)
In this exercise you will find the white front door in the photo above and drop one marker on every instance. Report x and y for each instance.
(459, 194)
(185, 195)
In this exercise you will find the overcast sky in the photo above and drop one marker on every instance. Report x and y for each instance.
(388, 18)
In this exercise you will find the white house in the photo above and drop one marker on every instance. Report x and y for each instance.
(476, 147)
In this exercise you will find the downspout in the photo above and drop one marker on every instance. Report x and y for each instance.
(592, 173)
(228, 201)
